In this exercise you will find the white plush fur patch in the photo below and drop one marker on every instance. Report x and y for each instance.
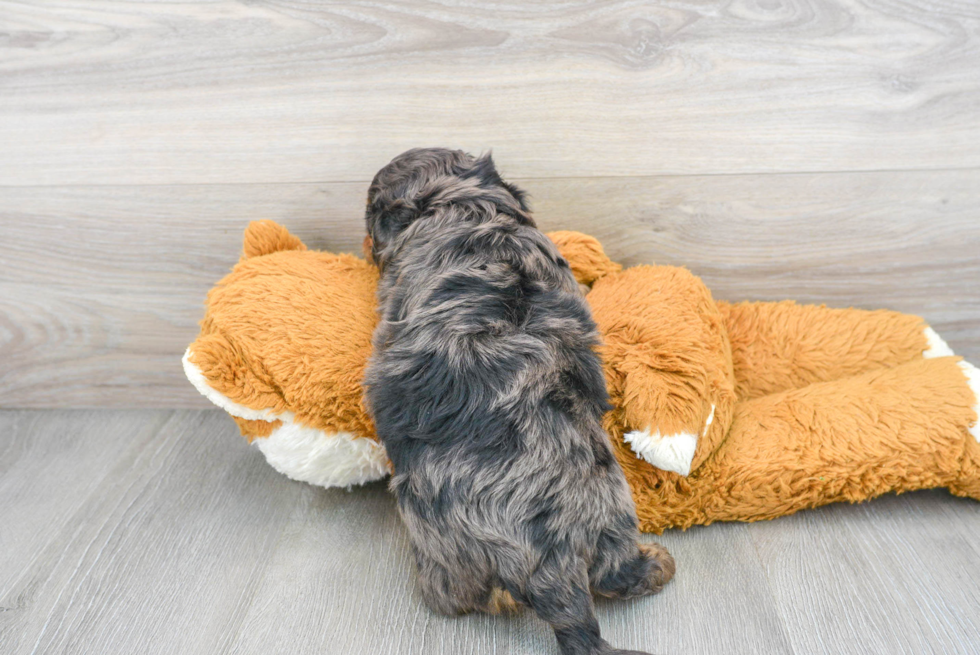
(936, 346)
(973, 379)
(329, 460)
(670, 452)
(939, 348)
(302, 453)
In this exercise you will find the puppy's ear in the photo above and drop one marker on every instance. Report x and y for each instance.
(484, 170)
(393, 218)
(386, 219)
(486, 173)
(520, 195)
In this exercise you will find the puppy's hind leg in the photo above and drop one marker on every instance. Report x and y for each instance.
(448, 592)
(558, 592)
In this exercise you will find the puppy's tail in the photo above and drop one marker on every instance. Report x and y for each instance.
(558, 592)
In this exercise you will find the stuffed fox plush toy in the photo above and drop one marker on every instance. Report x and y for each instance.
(721, 411)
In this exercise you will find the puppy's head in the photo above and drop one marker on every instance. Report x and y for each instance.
(418, 182)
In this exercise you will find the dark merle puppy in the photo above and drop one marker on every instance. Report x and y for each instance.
(487, 392)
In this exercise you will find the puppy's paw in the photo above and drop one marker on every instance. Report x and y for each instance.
(662, 565)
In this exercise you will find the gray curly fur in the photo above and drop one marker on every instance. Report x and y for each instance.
(487, 392)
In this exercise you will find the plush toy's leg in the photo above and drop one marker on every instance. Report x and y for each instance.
(778, 346)
(913, 426)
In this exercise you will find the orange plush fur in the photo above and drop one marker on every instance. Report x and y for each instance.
(720, 411)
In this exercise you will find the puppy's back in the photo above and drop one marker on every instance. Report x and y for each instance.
(484, 332)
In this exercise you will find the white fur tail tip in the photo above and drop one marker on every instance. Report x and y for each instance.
(672, 452)
(972, 374)
(935, 345)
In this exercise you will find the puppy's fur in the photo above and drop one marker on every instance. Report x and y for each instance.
(488, 395)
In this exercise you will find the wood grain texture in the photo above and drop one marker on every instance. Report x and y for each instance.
(164, 532)
(846, 573)
(150, 546)
(50, 465)
(101, 288)
(103, 92)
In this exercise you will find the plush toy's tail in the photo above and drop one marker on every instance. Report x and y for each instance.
(967, 483)
(266, 237)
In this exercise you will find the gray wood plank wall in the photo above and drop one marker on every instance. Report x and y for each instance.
(827, 151)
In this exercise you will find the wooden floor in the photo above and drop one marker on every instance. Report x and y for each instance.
(822, 150)
(152, 531)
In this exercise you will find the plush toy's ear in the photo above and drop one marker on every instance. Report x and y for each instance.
(266, 237)
(585, 256)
